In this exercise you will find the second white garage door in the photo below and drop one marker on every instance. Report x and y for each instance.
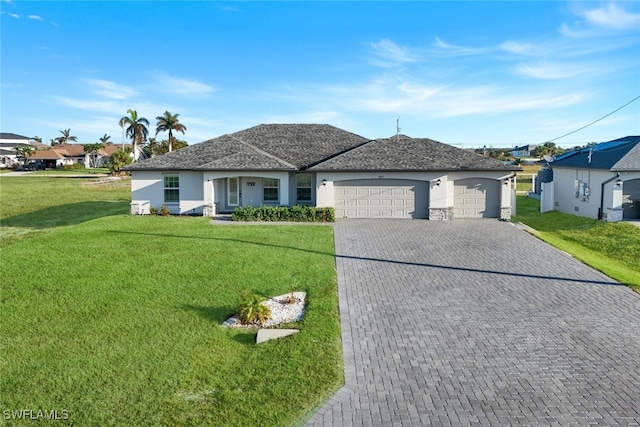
(476, 198)
(381, 198)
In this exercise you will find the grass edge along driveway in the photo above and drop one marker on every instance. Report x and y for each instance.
(116, 320)
(612, 248)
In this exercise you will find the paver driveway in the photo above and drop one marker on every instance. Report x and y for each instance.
(478, 323)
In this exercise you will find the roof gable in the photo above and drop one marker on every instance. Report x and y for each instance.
(300, 144)
(275, 146)
(405, 153)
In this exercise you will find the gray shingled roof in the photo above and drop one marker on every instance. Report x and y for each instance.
(408, 154)
(318, 148)
(618, 155)
(302, 144)
(12, 136)
(262, 147)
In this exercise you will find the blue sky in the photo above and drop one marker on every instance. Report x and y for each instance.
(465, 73)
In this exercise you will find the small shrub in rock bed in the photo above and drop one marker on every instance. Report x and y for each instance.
(164, 210)
(153, 210)
(284, 213)
(251, 310)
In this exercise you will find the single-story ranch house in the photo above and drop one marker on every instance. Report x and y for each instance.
(321, 165)
(602, 181)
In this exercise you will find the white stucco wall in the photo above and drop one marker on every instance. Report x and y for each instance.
(576, 201)
(147, 189)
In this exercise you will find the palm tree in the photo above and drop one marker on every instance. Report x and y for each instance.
(136, 129)
(65, 138)
(104, 139)
(169, 122)
(119, 159)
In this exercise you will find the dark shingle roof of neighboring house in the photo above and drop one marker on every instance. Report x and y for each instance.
(402, 153)
(263, 147)
(13, 136)
(618, 155)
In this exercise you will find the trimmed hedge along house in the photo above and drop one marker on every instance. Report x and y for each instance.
(321, 165)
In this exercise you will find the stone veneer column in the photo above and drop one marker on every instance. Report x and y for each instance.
(441, 214)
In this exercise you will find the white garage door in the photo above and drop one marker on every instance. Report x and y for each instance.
(381, 198)
(631, 199)
(476, 198)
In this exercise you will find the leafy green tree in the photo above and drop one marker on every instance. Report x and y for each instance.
(92, 150)
(169, 122)
(25, 152)
(136, 129)
(155, 148)
(548, 149)
(65, 138)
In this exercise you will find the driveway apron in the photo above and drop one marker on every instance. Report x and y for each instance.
(478, 323)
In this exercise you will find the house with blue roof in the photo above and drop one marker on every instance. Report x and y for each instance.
(602, 181)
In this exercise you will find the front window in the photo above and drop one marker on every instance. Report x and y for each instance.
(270, 188)
(171, 189)
(303, 189)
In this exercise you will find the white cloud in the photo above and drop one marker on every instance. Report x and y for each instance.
(14, 15)
(593, 22)
(389, 54)
(550, 71)
(611, 16)
(454, 50)
(515, 47)
(36, 17)
(104, 106)
(110, 89)
(181, 86)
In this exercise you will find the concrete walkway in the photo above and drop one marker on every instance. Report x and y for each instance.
(478, 323)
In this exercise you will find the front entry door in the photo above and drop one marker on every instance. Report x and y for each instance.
(233, 191)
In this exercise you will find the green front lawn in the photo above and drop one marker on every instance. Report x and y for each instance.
(116, 318)
(32, 205)
(613, 248)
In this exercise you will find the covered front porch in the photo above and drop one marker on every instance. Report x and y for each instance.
(225, 192)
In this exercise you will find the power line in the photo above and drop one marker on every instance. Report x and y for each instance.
(596, 121)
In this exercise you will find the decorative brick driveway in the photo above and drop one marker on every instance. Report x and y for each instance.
(478, 323)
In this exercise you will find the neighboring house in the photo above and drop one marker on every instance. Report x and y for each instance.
(8, 144)
(69, 154)
(525, 151)
(321, 165)
(602, 181)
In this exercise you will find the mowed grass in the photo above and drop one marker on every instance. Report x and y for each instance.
(33, 205)
(116, 319)
(613, 248)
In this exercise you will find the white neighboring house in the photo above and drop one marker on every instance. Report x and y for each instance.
(323, 166)
(8, 144)
(602, 181)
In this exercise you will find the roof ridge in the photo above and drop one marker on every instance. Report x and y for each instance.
(271, 156)
(339, 153)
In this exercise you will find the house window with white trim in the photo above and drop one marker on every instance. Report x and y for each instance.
(171, 189)
(303, 187)
(270, 187)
